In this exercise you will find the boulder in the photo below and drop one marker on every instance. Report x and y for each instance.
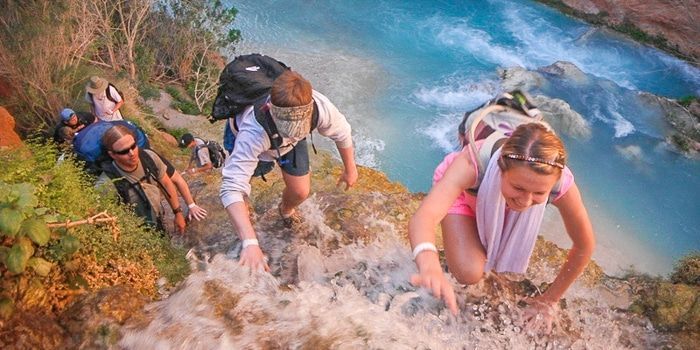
(686, 126)
(519, 78)
(565, 70)
(8, 136)
(562, 117)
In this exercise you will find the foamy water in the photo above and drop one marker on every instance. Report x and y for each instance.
(325, 295)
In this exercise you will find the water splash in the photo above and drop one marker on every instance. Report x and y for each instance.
(328, 291)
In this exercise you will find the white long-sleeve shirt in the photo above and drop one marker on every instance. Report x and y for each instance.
(253, 144)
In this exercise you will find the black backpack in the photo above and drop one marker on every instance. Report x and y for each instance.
(217, 155)
(243, 81)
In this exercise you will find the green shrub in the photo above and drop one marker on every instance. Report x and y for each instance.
(687, 270)
(180, 102)
(35, 189)
(148, 91)
(681, 142)
(685, 101)
(178, 132)
(187, 107)
(174, 92)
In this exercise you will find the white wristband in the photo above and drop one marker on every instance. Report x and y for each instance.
(250, 241)
(192, 205)
(423, 246)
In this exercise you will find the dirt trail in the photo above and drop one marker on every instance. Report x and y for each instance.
(198, 125)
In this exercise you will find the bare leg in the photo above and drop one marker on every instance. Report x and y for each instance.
(296, 190)
(465, 255)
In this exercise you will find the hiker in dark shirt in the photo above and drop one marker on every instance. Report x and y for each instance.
(69, 124)
(140, 177)
(200, 154)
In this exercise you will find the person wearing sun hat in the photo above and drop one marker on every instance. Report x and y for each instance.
(290, 106)
(104, 99)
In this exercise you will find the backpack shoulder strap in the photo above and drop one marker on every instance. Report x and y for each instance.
(120, 182)
(314, 117)
(150, 168)
(264, 118)
(109, 96)
(484, 152)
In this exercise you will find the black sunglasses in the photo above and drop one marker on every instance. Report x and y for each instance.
(126, 150)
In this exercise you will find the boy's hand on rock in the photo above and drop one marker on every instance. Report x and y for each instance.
(254, 258)
(349, 177)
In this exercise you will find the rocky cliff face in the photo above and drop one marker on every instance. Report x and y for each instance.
(675, 20)
(8, 136)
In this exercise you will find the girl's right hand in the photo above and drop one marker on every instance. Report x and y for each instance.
(254, 258)
(432, 278)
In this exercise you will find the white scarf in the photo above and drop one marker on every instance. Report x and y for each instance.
(508, 237)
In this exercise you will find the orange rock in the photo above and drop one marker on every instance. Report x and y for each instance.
(169, 139)
(8, 136)
(672, 19)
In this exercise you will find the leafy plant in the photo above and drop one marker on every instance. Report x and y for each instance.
(23, 225)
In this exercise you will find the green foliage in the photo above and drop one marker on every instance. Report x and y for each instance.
(40, 266)
(685, 101)
(61, 191)
(145, 61)
(174, 92)
(148, 91)
(36, 230)
(7, 307)
(681, 142)
(10, 221)
(687, 270)
(208, 18)
(187, 107)
(180, 102)
(178, 132)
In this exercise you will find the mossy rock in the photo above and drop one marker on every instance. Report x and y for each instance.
(687, 270)
(670, 306)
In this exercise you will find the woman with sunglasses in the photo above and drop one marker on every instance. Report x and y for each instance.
(509, 207)
(140, 177)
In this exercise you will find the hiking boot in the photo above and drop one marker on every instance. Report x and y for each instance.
(292, 221)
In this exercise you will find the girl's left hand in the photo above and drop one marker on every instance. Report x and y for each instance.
(539, 315)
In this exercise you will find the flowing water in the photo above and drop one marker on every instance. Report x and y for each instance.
(325, 295)
(403, 73)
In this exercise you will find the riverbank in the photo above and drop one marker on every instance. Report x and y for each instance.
(665, 24)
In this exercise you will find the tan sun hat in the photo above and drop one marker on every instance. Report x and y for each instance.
(96, 85)
(293, 122)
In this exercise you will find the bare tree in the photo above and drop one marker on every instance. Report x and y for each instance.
(132, 16)
(41, 44)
